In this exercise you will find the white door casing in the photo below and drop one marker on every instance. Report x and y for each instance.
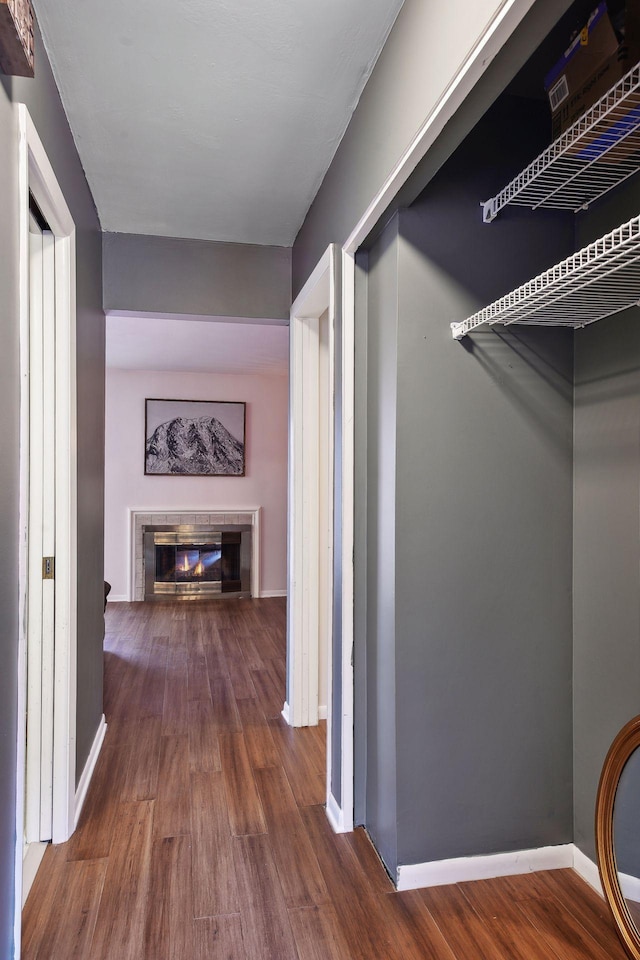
(41, 537)
(303, 587)
(311, 518)
(58, 446)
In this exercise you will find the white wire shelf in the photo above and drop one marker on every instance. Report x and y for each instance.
(595, 282)
(600, 151)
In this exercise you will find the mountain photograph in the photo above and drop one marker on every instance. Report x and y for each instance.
(198, 446)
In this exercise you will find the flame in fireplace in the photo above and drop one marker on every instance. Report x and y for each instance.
(199, 569)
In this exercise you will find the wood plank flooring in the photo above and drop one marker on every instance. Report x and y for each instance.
(204, 837)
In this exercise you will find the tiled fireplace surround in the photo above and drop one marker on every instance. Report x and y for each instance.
(142, 519)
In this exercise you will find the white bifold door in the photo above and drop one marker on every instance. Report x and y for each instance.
(41, 534)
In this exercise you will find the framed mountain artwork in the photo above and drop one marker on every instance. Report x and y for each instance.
(194, 438)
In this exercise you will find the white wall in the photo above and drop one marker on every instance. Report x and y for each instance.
(265, 483)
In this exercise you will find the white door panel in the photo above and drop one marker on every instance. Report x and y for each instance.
(41, 592)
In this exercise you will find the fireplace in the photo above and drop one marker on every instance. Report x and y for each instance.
(195, 562)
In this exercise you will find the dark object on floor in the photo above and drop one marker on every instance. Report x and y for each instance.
(107, 591)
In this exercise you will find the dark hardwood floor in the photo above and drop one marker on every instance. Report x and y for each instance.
(204, 837)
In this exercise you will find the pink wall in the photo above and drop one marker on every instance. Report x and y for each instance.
(265, 483)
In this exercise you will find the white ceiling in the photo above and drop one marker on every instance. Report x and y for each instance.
(197, 346)
(211, 119)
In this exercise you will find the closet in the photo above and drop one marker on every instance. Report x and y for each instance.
(500, 484)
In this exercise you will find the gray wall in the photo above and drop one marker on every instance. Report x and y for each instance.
(422, 53)
(164, 275)
(425, 48)
(469, 544)
(626, 836)
(607, 472)
(42, 99)
(606, 550)
(360, 544)
(43, 102)
(483, 546)
(9, 505)
(379, 577)
(607, 521)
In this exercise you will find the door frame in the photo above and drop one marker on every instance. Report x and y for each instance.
(301, 684)
(36, 174)
(303, 561)
(329, 290)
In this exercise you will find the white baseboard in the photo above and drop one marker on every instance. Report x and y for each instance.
(89, 767)
(30, 865)
(335, 815)
(414, 875)
(286, 714)
(630, 886)
(587, 869)
(264, 595)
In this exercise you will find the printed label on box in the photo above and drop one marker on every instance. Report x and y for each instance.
(558, 93)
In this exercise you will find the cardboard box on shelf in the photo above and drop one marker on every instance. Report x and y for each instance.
(592, 65)
(617, 139)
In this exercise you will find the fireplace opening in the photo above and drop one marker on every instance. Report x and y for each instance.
(186, 562)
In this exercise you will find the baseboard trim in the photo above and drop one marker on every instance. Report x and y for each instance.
(30, 866)
(285, 713)
(264, 595)
(630, 886)
(587, 869)
(89, 767)
(335, 815)
(459, 869)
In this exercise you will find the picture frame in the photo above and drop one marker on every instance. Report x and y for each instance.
(16, 38)
(194, 438)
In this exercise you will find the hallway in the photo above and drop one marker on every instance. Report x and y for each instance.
(204, 837)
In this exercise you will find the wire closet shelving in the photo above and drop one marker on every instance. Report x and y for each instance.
(600, 151)
(596, 154)
(593, 283)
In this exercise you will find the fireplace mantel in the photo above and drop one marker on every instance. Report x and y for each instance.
(140, 519)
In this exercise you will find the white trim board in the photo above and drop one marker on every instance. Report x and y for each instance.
(587, 869)
(348, 274)
(89, 767)
(463, 869)
(303, 554)
(264, 595)
(330, 288)
(630, 886)
(206, 317)
(310, 573)
(35, 173)
(30, 866)
(335, 814)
